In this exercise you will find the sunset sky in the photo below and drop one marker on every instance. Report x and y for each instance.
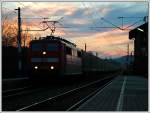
(82, 20)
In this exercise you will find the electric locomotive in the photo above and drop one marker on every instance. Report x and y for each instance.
(54, 57)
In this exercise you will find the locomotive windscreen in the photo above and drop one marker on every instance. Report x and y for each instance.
(47, 47)
(44, 52)
(52, 47)
(36, 47)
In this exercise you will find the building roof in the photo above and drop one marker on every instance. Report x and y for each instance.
(133, 33)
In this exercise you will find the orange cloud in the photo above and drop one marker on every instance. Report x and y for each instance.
(49, 9)
(101, 42)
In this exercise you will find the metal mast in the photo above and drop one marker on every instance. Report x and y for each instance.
(19, 40)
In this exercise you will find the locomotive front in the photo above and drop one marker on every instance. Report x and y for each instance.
(44, 58)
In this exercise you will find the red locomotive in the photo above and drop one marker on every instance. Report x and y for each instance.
(55, 56)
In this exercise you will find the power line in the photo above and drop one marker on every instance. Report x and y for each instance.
(22, 4)
(92, 19)
(53, 24)
(102, 27)
(26, 6)
(122, 18)
(133, 24)
(35, 17)
(11, 12)
(37, 29)
(111, 23)
(128, 17)
(7, 8)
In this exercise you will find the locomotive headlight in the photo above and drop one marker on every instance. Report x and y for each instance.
(44, 53)
(52, 67)
(36, 67)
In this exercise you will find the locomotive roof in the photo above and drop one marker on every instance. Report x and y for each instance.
(53, 38)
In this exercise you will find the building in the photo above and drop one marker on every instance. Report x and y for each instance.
(140, 37)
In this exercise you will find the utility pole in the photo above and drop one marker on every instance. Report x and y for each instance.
(127, 60)
(97, 54)
(121, 21)
(128, 52)
(145, 19)
(85, 47)
(19, 41)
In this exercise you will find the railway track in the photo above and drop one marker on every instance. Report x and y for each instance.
(13, 92)
(25, 89)
(20, 91)
(69, 100)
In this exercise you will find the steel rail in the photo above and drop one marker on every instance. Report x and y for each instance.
(76, 105)
(14, 92)
(26, 108)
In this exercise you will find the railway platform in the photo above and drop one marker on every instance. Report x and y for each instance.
(124, 93)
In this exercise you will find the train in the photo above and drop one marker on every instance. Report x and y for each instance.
(53, 56)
